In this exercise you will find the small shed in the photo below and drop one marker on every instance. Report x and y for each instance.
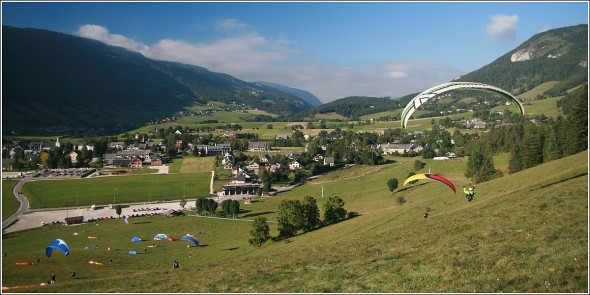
(74, 220)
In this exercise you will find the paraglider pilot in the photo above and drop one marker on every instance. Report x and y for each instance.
(469, 193)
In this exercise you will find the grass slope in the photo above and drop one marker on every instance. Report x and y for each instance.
(9, 202)
(525, 232)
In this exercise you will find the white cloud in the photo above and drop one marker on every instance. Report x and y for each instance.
(503, 26)
(230, 24)
(396, 74)
(393, 79)
(102, 34)
(251, 57)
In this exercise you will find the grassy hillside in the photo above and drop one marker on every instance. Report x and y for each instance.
(526, 232)
(537, 91)
(9, 202)
(95, 87)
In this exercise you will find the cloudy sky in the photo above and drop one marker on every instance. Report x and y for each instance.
(331, 49)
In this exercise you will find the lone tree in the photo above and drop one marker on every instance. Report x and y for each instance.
(211, 206)
(311, 214)
(266, 179)
(480, 167)
(260, 231)
(200, 204)
(290, 218)
(182, 203)
(225, 207)
(578, 119)
(392, 184)
(334, 210)
(118, 210)
(234, 208)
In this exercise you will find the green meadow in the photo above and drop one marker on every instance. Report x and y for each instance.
(116, 189)
(9, 202)
(523, 233)
(537, 91)
(547, 107)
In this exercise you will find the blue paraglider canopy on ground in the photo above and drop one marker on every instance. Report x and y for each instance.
(190, 239)
(59, 245)
(136, 239)
(132, 252)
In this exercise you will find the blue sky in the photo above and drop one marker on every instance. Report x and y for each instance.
(331, 49)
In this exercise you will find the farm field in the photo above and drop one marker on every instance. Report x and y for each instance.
(533, 106)
(525, 232)
(197, 164)
(116, 189)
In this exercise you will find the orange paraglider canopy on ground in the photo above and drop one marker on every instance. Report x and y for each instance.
(19, 287)
(23, 263)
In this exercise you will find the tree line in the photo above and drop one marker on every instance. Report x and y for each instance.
(530, 142)
(296, 216)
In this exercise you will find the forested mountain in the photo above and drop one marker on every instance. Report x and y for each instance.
(555, 55)
(58, 83)
(54, 82)
(351, 107)
(211, 86)
(304, 95)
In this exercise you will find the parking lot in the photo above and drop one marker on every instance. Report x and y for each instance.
(61, 173)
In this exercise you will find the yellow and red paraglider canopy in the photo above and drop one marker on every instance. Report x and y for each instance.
(431, 176)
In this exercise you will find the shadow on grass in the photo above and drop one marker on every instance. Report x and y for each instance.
(142, 222)
(258, 214)
(563, 180)
(390, 161)
(409, 187)
(9, 236)
(232, 248)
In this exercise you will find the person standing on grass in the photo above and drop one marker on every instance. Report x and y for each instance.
(471, 193)
(52, 281)
(175, 264)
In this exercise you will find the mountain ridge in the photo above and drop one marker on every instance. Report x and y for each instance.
(63, 83)
(303, 94)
